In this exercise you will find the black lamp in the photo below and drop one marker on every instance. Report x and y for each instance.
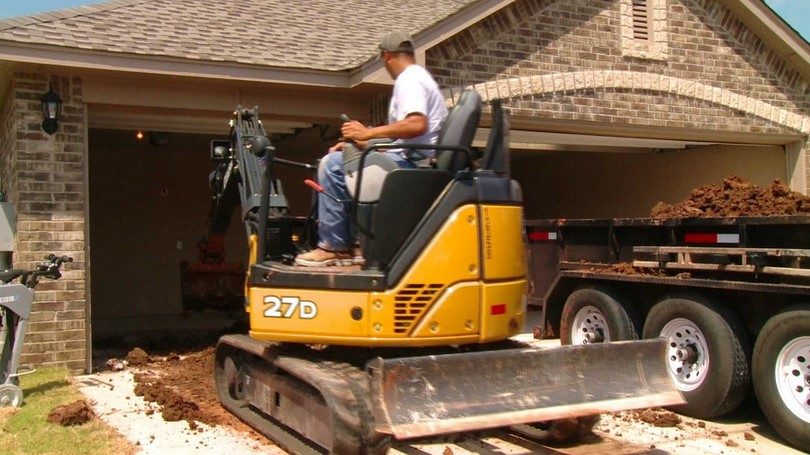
(51, 109)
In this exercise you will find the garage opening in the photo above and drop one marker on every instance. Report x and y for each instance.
(578, 176)
(149, 205)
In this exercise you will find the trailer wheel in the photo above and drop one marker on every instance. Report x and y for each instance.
(706, 354)
(781, 372)
(594, 315)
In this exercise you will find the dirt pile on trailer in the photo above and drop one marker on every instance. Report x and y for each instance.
(736, 197)
(76, 413)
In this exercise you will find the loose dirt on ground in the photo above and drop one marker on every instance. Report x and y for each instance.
(182, 388)
(185, 381)
(76, 413)
(657, 417)
(736, 197)
(137, 357)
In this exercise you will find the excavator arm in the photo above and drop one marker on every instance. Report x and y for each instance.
(236, 181)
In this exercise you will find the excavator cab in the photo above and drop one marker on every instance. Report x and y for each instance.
(416, 342)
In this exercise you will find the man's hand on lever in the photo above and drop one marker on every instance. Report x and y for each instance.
(355, 131)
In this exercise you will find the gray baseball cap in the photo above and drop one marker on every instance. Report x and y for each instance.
(397, 42)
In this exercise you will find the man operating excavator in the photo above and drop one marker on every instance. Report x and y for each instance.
(415, 115)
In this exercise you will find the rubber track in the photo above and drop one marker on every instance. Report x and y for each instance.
(280, 434)
(354, 427)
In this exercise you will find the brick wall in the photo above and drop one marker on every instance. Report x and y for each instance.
(43, 176)
(558, 59)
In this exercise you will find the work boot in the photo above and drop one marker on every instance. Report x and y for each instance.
(357, 256)
(320, 257)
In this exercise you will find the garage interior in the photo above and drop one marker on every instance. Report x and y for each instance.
(149, 205)
(581, 176)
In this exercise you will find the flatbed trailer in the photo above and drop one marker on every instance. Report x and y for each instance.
(732, 296)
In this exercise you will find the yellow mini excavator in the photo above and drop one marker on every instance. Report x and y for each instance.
(416, 341)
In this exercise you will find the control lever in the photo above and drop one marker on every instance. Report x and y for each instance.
(319, 189)
(345, 118)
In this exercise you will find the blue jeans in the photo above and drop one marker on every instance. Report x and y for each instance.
(335, 229)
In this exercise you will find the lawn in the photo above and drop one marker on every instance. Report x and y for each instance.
(26, 430)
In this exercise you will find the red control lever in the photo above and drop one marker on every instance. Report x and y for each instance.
(314, 185)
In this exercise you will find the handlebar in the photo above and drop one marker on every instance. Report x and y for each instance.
(48, 269)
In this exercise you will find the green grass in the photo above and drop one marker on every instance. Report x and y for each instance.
(26, 430)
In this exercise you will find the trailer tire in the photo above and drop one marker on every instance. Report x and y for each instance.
(783, 398)
(706, 356)
(597, 315)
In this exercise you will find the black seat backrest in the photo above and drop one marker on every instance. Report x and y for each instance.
(496, 152)
(458, 130)
(407, 194)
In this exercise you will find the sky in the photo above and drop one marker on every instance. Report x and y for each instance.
(795, 12)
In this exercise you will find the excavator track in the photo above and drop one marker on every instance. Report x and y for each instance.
(303, 402)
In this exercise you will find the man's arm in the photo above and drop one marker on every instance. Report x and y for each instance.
(413, 125)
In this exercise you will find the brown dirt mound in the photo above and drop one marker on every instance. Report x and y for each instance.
(657, 417)
(76, 413)
(173, 406)
(736, 197)
(572, 429)
(193, 375)
(137, 356)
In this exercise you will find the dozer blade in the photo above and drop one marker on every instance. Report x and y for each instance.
(430, 395)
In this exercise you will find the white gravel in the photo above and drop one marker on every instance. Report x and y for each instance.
(110, 395)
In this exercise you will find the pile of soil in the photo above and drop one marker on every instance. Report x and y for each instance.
(173, 407)
(657, 417)
(76, 413)
(137, 357)
(736, 197)
(627, 268)
(183, 386)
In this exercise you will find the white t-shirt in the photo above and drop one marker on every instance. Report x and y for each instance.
(415, 92)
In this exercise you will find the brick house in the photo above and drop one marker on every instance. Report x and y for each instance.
(615, 104)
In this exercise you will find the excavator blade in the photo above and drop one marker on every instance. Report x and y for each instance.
(430, 395)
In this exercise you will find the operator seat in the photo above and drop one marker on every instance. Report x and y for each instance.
(405, 195)
(496, 152)
(457, 130)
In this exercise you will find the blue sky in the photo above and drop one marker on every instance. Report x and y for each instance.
(795, 12)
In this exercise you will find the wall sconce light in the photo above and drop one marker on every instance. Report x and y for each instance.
(51, 110)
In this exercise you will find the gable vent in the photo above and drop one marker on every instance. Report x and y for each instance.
(641, 20)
